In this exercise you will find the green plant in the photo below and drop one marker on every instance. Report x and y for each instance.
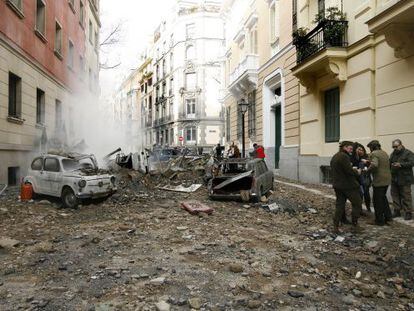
(299, 34)
(334, 25)
(330, 14)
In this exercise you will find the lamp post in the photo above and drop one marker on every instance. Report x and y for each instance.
(243, 105)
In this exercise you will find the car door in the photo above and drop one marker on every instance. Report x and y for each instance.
(36, 171)
(53, 176)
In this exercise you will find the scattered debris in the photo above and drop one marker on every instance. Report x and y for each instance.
(195, 207)
(181, 188)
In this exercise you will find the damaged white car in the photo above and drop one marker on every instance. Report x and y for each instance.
(72, 177)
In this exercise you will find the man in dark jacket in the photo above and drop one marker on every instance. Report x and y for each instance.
(345, 183)
(402, 162)
(379, 167)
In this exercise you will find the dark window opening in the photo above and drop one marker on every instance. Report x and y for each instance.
(326, 174)
(15, 95)
(40, 107)
(13, 174)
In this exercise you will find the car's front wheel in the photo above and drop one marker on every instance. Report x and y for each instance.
(69, 198)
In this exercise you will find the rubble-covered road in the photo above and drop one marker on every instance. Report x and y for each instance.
(143, 252)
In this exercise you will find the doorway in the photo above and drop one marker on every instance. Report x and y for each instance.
(278, 134)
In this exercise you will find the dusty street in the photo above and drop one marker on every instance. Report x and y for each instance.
(141, 251)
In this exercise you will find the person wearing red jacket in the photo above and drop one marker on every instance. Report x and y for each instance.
(258, 151)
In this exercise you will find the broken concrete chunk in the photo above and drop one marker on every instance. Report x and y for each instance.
(8, 243)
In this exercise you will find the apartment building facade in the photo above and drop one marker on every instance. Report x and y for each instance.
(259, 59)
(356, 69)
(42, 64)
(187, 76)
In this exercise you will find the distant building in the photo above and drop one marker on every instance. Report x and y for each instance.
(182, 77)
(46, 55)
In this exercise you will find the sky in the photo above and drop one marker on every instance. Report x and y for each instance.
(138, 18)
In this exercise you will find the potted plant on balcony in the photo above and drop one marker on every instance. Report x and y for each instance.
(305, 46)
(334, 25)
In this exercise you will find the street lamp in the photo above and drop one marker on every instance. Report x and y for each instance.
(243, 106)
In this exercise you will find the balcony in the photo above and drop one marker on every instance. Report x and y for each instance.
(322, 52)
(188, 116)
(163, 120)
(395, 20)
(327, 34)
(245, 75)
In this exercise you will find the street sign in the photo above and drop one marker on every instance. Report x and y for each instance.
(180, 138)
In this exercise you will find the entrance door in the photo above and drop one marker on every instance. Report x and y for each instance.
(278, 134)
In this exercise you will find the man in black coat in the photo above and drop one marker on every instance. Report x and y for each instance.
(402, 162)
(345, 183)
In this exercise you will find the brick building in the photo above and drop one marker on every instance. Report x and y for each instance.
(45, 59)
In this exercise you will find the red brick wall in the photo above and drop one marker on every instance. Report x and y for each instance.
(21, 32)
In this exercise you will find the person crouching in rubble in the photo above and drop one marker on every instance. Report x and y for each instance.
(379, 167)
(346, 185)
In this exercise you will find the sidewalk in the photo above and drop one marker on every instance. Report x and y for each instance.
(318, 192)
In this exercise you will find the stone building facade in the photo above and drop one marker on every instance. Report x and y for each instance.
(259, 59)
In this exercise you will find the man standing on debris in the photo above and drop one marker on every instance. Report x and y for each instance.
(402, 162)
(345, 183)
(258, 151)
(218, 152)
(381, 174)
(234, 151)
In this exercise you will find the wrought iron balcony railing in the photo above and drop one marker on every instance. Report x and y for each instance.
(328, 33)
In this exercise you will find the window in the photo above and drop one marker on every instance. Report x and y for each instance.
(294, 15)
(321, 6)
(332, 117)
(191, 134)
(190, 31)
(13, 175)
(190, 52)
(96, 40)
(72, 5)
(71, 54)
(37, 164)
(58, 113)
(190, 107)
(81, 13)
(90, 79)
(40, 17)
(228, 124)
(17, 6)
(58, 38)
(90, 32)
(272, 22)
(40, 107)
(15, 96)
(82, 67)
(52, 165)
(190, 81)
(171, 90)
(150, 82)
(164, 68)
(251, 121)
(253, 41)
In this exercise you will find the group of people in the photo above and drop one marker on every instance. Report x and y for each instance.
(354, 171)
(234, 151)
